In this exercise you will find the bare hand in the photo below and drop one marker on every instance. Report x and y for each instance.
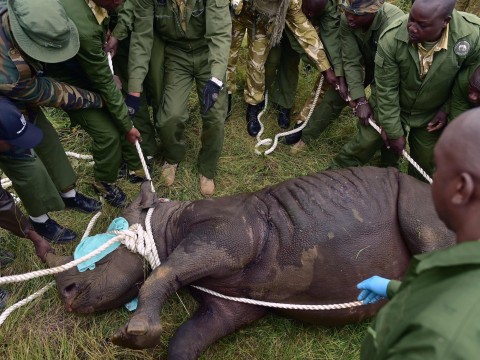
(133, 135)
(331, 78)
(111, 45)
(363, 111)
(42, 246)
(397, 145)
(438, 122)
(343, 88)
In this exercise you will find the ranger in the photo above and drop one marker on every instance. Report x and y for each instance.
(43, 178)
(197, 37)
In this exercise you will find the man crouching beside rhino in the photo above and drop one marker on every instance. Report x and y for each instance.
(308, 240)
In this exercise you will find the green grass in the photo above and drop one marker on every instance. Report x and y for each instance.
(43, 330)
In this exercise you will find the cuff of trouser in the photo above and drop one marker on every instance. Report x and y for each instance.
(135, 85)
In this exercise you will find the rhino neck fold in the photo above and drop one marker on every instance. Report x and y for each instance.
(164, 226)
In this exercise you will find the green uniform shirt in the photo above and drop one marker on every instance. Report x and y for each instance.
(459, 102)
(329, 30)
(435, 312)
(89, 68)
(125, 18)
(208, 25)
(359, 48)
(402, 96)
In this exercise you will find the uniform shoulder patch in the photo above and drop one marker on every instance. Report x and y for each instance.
(462, 48)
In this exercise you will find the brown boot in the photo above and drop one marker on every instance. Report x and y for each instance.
(168, 173)
(207, 186)
(299, 146)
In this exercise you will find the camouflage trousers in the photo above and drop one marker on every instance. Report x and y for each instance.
(241, 24)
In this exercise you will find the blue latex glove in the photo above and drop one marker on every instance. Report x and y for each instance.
(133, 104)
(132, 305)
(91, 243)
(373, 289)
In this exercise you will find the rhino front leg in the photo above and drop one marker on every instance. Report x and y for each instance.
(214, 319)
(185, 265)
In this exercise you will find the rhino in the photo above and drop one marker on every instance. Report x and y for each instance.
(308, 240)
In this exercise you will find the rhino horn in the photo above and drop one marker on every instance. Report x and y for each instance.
(57, 260)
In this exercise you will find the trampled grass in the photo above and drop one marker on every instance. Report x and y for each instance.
(44, 330)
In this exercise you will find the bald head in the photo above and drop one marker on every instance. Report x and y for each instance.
(456, 182)
(442, 7)
(313, 8)
(459, 144)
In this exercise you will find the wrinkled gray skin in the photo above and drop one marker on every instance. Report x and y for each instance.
(308, 240)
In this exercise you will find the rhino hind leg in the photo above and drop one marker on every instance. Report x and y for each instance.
(214, 319)
(420, 226)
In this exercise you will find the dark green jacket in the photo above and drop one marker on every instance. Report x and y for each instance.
(435, 312)
(402, 96)
(359, 48)
(209, 26)
(459, 101)
(89, 68)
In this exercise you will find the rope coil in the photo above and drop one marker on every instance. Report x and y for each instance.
(268, 141)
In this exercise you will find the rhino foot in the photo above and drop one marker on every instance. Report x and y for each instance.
(140, 332)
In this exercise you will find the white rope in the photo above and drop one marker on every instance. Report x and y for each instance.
(43, 290)
(405, 154)
(281, 305)
(268, 141)
(79, 156)
(25, 301)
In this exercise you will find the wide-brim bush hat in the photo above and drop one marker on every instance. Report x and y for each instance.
(43, 30)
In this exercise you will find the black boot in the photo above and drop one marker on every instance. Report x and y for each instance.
(283, 118)
(54, 232)
(229, 105)
(82, 203)
(253, 125)
(294, 138)
(111, 193)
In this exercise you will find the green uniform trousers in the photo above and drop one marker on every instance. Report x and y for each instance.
(152, 94)
(367, 141)
(38, 179)
(181, 69)
(109, 146)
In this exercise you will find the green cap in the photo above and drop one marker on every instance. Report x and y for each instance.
(362, 7)
(43, 30)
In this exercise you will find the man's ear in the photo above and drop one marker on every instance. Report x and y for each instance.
(446, 21)
(464, 189)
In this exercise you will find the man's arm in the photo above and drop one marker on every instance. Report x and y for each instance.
(44, 91)
(141, 43)
(219, 36)
(125, 20)
(94, 63)
(352, 61)
(330, 35)
(387, 80)
(306, 35)
(11, 217)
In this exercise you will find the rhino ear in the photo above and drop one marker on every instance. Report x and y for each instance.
(57, 260)
(148, 198)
